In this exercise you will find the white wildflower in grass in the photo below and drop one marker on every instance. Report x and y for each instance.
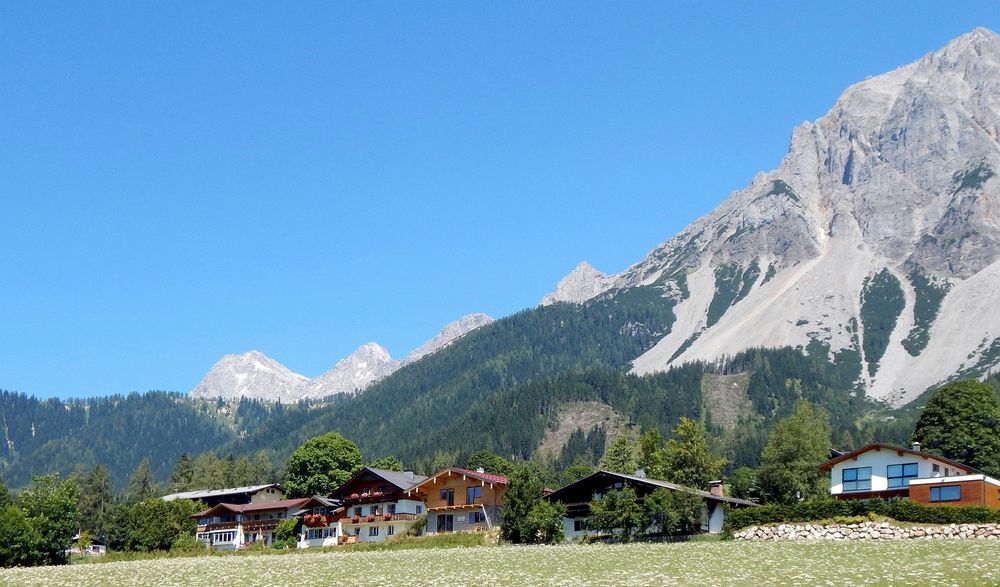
(904, 562)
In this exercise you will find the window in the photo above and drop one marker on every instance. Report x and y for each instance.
(946, 472)
(357, 531)
(473, 493)
(448, 496)
(579, 525)
(357, 511)
(224, 537)
(445, 523)
(946, 493)
(373, 530)
(391, 508)
(900, 475)
(420, 509)
(857, 479)
(477, 518)
(390, 531)
(321, 533)
(936, 468)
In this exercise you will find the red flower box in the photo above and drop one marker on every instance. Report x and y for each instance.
(355, 518)
(387, 517)
(355, 496)
(371, 518)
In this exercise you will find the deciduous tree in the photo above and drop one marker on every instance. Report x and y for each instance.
(790, 462)
(618, 514)
(961, 421)
(620, 456)
(524, 488)
(490, 462)
(18, 539)
(652, 457)
(387, 463)
(743, 483)
(51, 507)
(688, 459)
(321, 464)
(674, 512)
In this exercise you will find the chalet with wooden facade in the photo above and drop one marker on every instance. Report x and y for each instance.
(882, 471)
(376, 505)
(460, 500)
(229, 526)
(577, 497)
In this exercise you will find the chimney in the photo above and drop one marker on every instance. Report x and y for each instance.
(915, 446)
(715, 487)
(640, 473)
(480, 470)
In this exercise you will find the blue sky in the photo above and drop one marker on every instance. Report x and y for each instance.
(182, 180)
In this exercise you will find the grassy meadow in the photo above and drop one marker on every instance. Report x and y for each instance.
(909, 562)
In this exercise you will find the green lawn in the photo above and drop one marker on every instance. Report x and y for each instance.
(910, 562)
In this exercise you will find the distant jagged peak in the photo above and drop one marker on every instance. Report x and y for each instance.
(371, 350)
(251, 374)
(363, 366)
(448, 334)
(581, 284)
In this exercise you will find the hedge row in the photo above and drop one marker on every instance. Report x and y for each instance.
(898, 509)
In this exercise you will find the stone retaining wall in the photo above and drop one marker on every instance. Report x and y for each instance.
(867, 531)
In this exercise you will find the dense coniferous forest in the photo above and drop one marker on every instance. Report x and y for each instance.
(499, 388)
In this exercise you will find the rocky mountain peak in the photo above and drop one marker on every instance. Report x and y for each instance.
(891, 195)
(255, 375)
(448, 334)
(583, 283)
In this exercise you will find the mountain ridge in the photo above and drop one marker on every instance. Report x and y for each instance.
(254, 375)
(899, 176)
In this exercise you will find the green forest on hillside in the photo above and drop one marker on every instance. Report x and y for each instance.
(498, 388)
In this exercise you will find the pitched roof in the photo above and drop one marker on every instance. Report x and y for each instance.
(242, 508)
(484, 477)
(203, 493)
(322, 501)
(650, 482)
(880, 446)
(401, 479)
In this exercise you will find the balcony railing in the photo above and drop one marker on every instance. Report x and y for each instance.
(380, 518)
(372, 497)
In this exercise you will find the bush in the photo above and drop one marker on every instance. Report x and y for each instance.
(187, 543)
(286, 535)
(830, 509)
(417, 527)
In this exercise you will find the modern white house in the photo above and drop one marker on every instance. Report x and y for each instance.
(882, 471)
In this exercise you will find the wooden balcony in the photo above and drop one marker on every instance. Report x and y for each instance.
(380, 519)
